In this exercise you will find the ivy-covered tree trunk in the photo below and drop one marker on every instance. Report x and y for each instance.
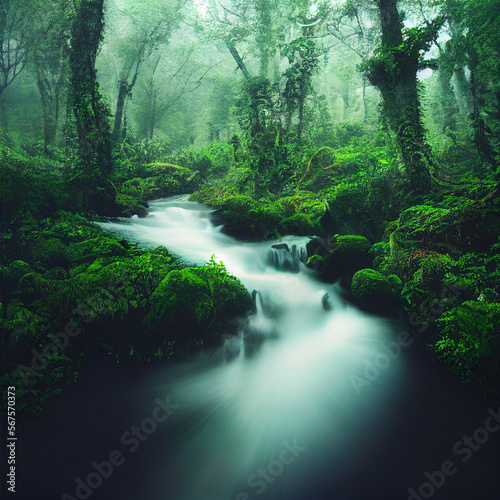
(394, 71)
(50, 109)
(481, 96)
(303, 56)
(449, 103)
(94, 143)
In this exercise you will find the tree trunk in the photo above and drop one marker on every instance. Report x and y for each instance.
(365, 103)
(486, 151)
(120, 105)
(50, 112)
(93, 131)
(239, 61)
(449, 104)
(302, 98)
(394, 72)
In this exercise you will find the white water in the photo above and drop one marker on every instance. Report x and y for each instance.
(295, 386)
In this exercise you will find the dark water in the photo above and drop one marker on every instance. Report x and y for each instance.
(293, 420)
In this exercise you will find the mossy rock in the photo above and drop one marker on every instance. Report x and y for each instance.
(95, 247)
(129, 206)
(230, 298)
(69, 228)
(471, 228)
(469, 343)
(181, 307)
(11, 274)
(191, 305)
(374, 291)
(160, 180)
(57, 273)
(50, 253)
(239, 216)
(298, 225)
(214, 196)
(24, 328)
(34, 285)
(157, 168)
(428, 274)
(341, 256)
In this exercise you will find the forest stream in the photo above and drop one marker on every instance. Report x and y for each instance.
(313, 399)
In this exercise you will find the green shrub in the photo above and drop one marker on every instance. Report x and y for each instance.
(470, 341)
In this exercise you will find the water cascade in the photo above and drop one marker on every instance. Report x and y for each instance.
(285, 389)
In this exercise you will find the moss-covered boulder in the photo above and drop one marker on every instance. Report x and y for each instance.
(340, 256)
(299, 225)
(181, 306)
(242, 216)
(191, 304)
(50, 252)
(95, 247)
(250, 219)
(159, 180)
(11, 274)
(130, 206)
(426, 274)
(230, 298)
(374, 291)
(472, 227)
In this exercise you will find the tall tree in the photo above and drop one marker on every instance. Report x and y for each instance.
(394, 71)
(90, 114)
(149, 25)
(16, 38)
(483, 48)
(50, 62)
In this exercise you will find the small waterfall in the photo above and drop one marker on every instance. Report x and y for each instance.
(282, 258)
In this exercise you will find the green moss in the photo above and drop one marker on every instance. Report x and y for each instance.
(11, 274)
(49, 253)
(374, 287)
(56, 273)
(470, 342)
(469, 228)
(428, 273)
(69, 228)
(230, 298)
(181, 306)
(299, 225)
(130, 206)
(249, 219)
(213, 196)
(24, 328)
(349, 254)
(191, 304)
(160, 180)
(95, 247)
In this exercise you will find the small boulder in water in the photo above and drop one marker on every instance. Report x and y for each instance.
(281, 246)
(339, 256)
(283, 259)
(326, 303)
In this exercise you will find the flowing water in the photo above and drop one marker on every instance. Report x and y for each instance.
(313, 399)
(287, 381)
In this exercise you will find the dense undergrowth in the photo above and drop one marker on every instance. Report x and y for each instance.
(66, 285)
